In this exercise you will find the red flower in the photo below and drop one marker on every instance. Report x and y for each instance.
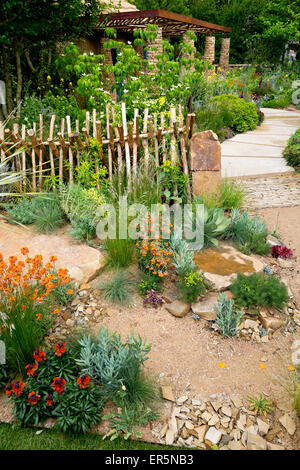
(49, 400)
(9, 390)
(83, 381)
(31, 368)
(58, 385)
(281, 251)
(39, 356)
(33, 398)
(60, 349)
(18, 388)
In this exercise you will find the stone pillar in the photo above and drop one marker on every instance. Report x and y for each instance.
(190, 42)
(155, 48)
(224, 55)
(205, 162)
(209, 53)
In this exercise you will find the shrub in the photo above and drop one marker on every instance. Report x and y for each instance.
(21, 212)
(248, 233)
(191, 285)
(26, 302)
(55, 388)
(244, 116)
(154, 257)
(80, 409)
(227, 113)
(292, 150)
(215, 224)
(259, 289)
(119, 288)
(228, 318)
(281, 251)
(43, 211)
(114, 364)
(120, 252)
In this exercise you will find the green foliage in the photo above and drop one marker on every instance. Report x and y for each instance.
(216, 117)
(183, 257)
(228, 195)
(149, 283)
(292, 150)
(248, 233)
(228, 317)
(191, 285)
(63, 292)
(243, 115)
(3, 376)
(43, 211)
(119, 288)
(173, 180)
(21, 212)
(79, 410)
(80, 205)
(261, 405)
(259, 290)
(90, 173)
(23, 332)
(214, 224)
(114, 364)
(120, 252)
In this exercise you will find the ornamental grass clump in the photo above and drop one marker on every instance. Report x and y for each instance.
(26, 304)
(259, 290)
(119, 288)
(228, 318)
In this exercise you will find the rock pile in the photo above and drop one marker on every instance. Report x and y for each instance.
(220, 421)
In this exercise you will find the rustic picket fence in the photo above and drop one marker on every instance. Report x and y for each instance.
(120, 145)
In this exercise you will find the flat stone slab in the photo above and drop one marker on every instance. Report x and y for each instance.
(259, 152)
(205, 308)
(221, 265)
(82, 261)
(253, 166)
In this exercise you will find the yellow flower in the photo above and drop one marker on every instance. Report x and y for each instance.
(48, 78)
(222, 365)
(262, 366)
(290, 367)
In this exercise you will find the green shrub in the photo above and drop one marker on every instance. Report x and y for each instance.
(79, 410)
(248, 233)
(119, 288)
(292, 150)
(183, 257)
(43, 211)
(21, 212)
(259, 290)
(215, 224)
(244, 116)
(120, 252)
(228, 317)
(115, 364)
(191, 285)
(227, 112)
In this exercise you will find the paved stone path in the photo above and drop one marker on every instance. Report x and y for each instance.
(278, 191)
(259, 152)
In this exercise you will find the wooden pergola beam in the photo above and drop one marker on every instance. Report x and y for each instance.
(167, 20)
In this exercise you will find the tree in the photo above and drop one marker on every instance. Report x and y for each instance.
(29, 24)
(176, 6)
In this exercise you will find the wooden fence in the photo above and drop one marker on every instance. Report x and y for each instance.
(120, 145)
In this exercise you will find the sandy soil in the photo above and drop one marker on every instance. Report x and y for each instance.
(286, 220)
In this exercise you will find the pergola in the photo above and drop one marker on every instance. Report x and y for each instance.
(172, 24)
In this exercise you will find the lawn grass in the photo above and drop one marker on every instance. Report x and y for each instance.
(17, 438)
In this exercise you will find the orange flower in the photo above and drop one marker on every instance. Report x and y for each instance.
(222, 365)
(291, 367)
(56, 311)
(24, 250)
(70, 292)
(39, 316)
(262, 366)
